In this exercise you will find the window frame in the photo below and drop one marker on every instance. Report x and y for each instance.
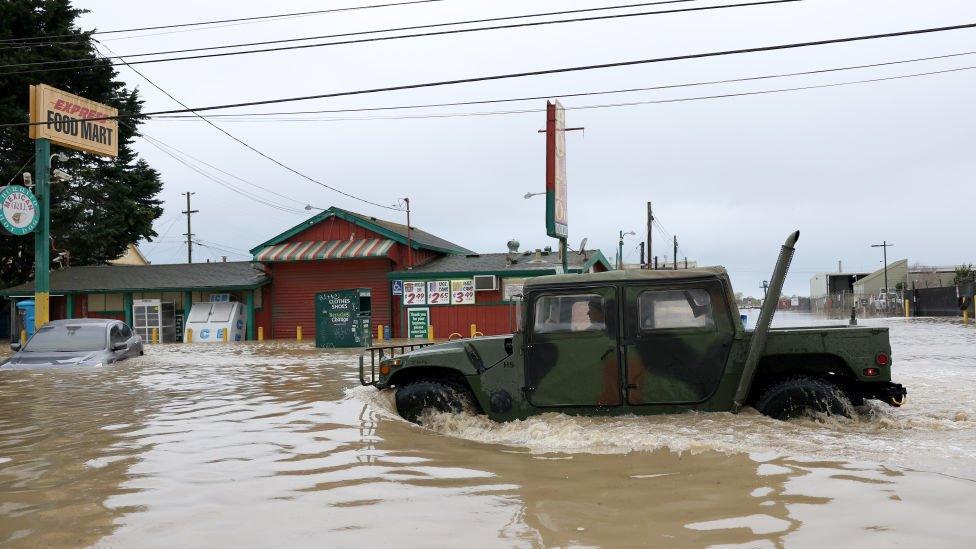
(638, 313)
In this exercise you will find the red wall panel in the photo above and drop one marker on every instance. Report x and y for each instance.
(295, 284)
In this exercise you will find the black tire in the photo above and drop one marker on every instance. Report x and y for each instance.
(412, 399)
(798, 396)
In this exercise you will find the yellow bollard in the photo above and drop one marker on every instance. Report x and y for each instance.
(965, 316)
(23, 338)
(155, 336)
(907, 310)
(430, 332)
(298, 333)
(225, 334)
(260, 333)
(379, 332)
(474, 329)
(189, 335)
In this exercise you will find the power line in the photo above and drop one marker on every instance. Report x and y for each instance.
(239, 19)
(561, 70)
(250, 147)
(578, 94)
(610, 105)
(386, 38)
(379, 31)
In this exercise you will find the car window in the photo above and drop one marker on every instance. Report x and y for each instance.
(116, 335)
(663, 309)
(126, 331)
(67, 337)
(570, 313)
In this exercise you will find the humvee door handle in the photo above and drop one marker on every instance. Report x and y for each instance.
(604, 355)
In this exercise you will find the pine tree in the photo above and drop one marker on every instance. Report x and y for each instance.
(109, 202)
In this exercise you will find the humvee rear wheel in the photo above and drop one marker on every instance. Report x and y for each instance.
(416, 397)
(799, 396)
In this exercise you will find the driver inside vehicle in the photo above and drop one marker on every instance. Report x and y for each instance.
(596, 315)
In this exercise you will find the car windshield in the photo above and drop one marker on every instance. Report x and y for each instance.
(67, 337)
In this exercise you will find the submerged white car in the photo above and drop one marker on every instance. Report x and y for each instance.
(77, 342)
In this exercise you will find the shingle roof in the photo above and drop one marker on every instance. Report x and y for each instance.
(497, 263)
(420, 237)
(117, 278)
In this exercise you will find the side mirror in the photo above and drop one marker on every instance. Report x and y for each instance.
(119, 346)
(15, 347)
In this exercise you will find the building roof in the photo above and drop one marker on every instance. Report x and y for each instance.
(497, 264)
(636, 275)
(394, 231)
(878, 276)
(236, 275)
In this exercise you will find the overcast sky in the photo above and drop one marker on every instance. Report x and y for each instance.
(849, 166)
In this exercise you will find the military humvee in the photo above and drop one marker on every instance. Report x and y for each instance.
(643, 342)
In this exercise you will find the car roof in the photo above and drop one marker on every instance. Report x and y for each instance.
(76, 321)
(628, 275)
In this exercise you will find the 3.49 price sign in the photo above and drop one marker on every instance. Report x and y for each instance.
(462, 292)
(414, 293)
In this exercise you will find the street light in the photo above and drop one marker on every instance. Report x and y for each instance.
(620, 252)
(530, 195)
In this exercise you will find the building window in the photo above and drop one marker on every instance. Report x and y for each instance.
(101, 303)
(665, 309)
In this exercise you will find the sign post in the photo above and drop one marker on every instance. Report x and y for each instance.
(557, 212)
(70, 121)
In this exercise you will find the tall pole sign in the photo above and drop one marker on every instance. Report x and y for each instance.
(557, 213)
(70, 121)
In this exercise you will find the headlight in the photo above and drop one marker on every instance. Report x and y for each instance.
(387, 365)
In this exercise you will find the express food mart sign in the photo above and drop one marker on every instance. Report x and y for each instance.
(72, 121)
(19, 210)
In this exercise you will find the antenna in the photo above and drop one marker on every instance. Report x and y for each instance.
(582, 248)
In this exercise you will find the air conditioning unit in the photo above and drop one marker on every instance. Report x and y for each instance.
(484, 283)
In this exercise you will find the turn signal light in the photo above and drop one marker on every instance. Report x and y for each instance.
(871, 372)
(384, 370)
(881, 359)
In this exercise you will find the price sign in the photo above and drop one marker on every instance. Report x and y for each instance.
(462, 292)
(513, 288)
(439, 292)
(414, 293)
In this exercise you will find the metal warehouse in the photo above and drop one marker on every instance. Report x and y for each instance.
(416, 281)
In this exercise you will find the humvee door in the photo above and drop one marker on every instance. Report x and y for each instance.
(572, 353)
(676, 341)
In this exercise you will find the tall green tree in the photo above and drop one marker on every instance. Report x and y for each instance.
(109, 202)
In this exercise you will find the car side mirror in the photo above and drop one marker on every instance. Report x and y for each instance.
(15, 347)
(119, 346)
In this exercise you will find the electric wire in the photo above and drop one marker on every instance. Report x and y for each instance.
(89, 63)
(263, 154)
(20, 170)
(524, 74)
(239, 19)
(379, 31)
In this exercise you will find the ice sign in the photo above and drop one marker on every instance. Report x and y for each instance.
(462, 292)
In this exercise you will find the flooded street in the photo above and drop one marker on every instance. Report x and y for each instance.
(275, 444)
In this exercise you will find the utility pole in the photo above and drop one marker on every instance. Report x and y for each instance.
(650, 242)
(189, 233)
(642, 264)
(765, 286)
(409, 237)
(675, 253)
(884, 247)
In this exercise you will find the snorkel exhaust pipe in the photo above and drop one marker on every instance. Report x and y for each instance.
(758, 344)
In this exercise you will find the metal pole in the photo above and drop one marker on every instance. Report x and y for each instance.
(42, 235)
(563, 249)
(884, 247)
(189, 233)
(650, 235)
(675, 253)
(409, 237)
(620, 251)
(642, 264)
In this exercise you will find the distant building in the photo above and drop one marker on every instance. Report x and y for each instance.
(825, 284)
(132, 256)
(872, 284)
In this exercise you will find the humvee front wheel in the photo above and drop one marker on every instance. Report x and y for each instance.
(416, 397)
(798, 396)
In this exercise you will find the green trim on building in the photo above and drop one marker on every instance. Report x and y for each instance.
(249, 300)
(127, 305)
(69, 305)
(424, 275)
(355, 220)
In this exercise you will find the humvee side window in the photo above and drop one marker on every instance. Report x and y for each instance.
(570, 313)
(663, 309)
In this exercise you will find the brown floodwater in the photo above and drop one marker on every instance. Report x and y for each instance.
(275, 444)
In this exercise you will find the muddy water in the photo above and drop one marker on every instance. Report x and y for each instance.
(273, 444)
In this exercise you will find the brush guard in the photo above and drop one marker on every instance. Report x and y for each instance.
(379, 354)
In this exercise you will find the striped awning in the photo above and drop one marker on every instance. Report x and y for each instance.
(325, 249)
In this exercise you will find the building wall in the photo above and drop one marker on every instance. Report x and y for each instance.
(295, 284)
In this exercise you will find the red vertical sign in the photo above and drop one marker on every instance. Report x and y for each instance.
(557, 214)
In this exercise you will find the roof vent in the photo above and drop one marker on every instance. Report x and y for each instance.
(513, 246)
(537, 258)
